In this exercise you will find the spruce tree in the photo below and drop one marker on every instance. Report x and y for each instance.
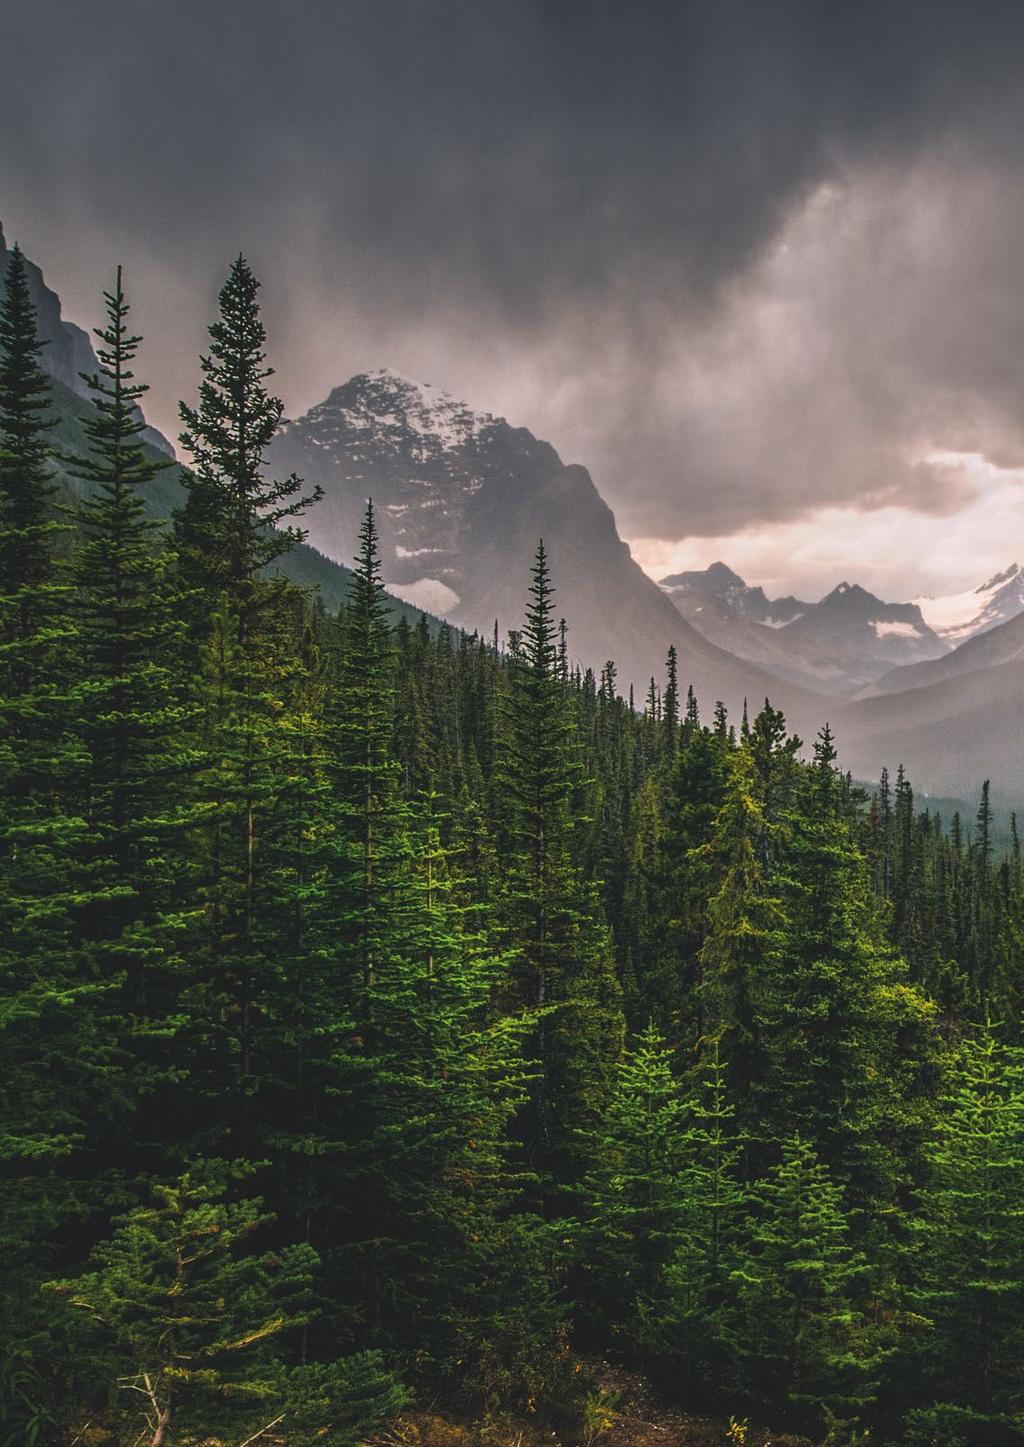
(743, 937)
(182, 1314)
(691, 1330)
(836, 1011)
(636, 1191)
(27, 490)
(136, 717)
(802, 1341)
(969, 1265)
(236, 522)
(565, 968)
(55, 1080)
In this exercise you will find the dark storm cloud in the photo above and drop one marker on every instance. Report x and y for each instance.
(568, 209)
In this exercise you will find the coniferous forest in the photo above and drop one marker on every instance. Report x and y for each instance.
(399, 1020)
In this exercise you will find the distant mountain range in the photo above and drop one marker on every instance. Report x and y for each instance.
(462, 498)
(836, 646)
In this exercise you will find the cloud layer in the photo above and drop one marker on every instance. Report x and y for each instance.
(746, 261)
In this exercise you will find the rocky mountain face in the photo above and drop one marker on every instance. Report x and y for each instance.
(461, 499)
(69, 350)
(836, 646)
(961, 616)
(866, 637)
(718, 584)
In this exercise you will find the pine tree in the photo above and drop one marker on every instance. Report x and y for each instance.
(836, 1010)
(182, 1314)
(692, 1329)
(743, 937)
(670, 701)
(235, 524)
(136, 715)
(969, 1267)
(802, 1341)
(55, 1082)
(230, 530)
(636, 1191)
(694, 792)
(565, 968)
(27, 490)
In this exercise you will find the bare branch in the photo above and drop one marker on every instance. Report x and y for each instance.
(262, 1430)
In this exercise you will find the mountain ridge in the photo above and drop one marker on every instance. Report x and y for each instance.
(462, 498)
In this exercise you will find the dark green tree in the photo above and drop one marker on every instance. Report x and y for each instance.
(565, 968)
(969, 1268)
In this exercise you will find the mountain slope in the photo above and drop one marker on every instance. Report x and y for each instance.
(993, 648)
(853, 630)
(719, 583)
(462, 498)
(835, 646)
(950, 735)
(68, 351)
(961, 616)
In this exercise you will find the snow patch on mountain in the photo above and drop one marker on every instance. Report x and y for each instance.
(895, 630)
(960, 616)
(430, 594)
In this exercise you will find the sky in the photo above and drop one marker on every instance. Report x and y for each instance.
(757, 264)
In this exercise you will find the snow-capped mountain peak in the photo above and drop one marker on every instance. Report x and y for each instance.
(384, 402)
(960, 616)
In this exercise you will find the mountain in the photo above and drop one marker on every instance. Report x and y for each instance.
(952, 721)
(462, 498)
(961, 616)
(996, 647)
(836, 646)
(853, 630)
(719, 584)
(68, 351)
(951, 733)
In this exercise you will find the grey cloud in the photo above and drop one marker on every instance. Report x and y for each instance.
(556, 208)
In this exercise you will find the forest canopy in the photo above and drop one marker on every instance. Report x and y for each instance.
(391, 1014)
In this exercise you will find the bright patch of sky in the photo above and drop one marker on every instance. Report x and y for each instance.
(894, 552)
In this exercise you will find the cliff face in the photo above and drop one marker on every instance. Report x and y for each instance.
(462, 498)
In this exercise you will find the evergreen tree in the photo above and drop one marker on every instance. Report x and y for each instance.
(230, 529)
(565, 968)
(970, 1263)
(836, 1011)
(234, 525)
(691, 1329)
(802, 1341)
(135, 718)
(636, 1191)
(55, 1055)
(26, 486)
(743, 938)
(183, 1316)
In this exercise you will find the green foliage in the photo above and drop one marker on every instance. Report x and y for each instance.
(565, 967)
(802, 1340)
(178, 1308)
(969, 1278)
(369, 901)
(636, 1193)
(22, 1420)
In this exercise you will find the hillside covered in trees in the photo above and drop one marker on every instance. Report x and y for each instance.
(393, 1016)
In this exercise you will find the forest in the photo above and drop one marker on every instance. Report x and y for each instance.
(392, 1016)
